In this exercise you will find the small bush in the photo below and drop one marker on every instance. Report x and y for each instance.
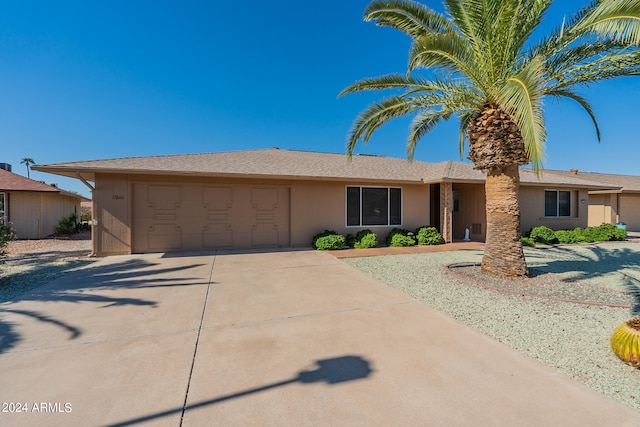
(350, 240)
(328, 240)
(543, 235)
(6, 235)
(566, 236)
(601, 233)
(398, 237)
(428, 236)
(583, 235)
(67, 225)
(528, 241)
(365, 239)
(608, 232)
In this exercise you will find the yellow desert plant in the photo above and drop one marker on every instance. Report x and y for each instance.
(625, 342)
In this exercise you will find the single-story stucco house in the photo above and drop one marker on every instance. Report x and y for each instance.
(282, 198)
(621, 203)
(32, 207)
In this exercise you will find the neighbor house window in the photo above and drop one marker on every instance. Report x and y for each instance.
(374, 206)
(557, 203)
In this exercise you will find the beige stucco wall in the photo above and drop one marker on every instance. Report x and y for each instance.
(532, 209)
(313, 207)
(34, 215)
(112, 233)
(317, 206)
(603, 208)
(613, 208)
(630, 211)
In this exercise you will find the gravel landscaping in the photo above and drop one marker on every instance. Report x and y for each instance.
(563, 315)
(33, 263)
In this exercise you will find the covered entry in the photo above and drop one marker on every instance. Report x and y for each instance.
(177, 216)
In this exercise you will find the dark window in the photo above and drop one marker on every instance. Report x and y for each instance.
(374, 206)
(353, 206)
(564, 203)
(395, 206)
(557, 203)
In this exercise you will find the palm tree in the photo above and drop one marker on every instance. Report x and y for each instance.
(27, 161)
(484, 68)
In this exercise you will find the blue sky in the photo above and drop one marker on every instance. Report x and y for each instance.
(90, 80)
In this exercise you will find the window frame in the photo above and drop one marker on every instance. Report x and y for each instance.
(361, 189)
(558, 201)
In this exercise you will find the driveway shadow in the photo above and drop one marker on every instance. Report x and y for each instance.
(330, 371)
(85, 286)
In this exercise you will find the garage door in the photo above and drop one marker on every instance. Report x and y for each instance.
(630, 211)
(177, 217)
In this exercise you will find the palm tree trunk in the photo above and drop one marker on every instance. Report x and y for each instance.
(503, 254)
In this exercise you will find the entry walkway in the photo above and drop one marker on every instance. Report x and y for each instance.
(290, 338)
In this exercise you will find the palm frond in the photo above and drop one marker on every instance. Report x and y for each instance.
(447, 52)
(377, 114)
(602, 68)
(563, 36)
(617, 19)
(568, 93)
(397, 81)
(522, 98)
(410, 17)
(467, 16)
(422, 123)
(558, 64)
(465, 119)
(513, 29)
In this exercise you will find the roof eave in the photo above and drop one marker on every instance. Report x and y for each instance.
(89, 174)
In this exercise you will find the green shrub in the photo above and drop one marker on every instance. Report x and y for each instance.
(428, 236)
(542, 234)
(6, 235)
(365, 239)
(528, 241)
(350, 240)
(582, 235)
(67, 225)
(608, 232)
(601, 233)
(399, 237)
(328, 240)
(566, 236)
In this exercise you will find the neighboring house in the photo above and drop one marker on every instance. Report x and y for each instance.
(33, 208)
(621, 203)
(282, 198)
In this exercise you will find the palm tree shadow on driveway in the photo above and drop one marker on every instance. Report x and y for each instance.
(87, 286)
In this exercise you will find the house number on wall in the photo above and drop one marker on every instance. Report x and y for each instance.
(117, 197)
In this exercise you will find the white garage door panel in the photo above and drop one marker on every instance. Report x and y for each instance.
(194, 217)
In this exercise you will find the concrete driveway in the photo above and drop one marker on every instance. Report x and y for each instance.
(275, 339)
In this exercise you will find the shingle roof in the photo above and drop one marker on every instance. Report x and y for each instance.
(10, 181)
(627, 183)
(291, 164)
